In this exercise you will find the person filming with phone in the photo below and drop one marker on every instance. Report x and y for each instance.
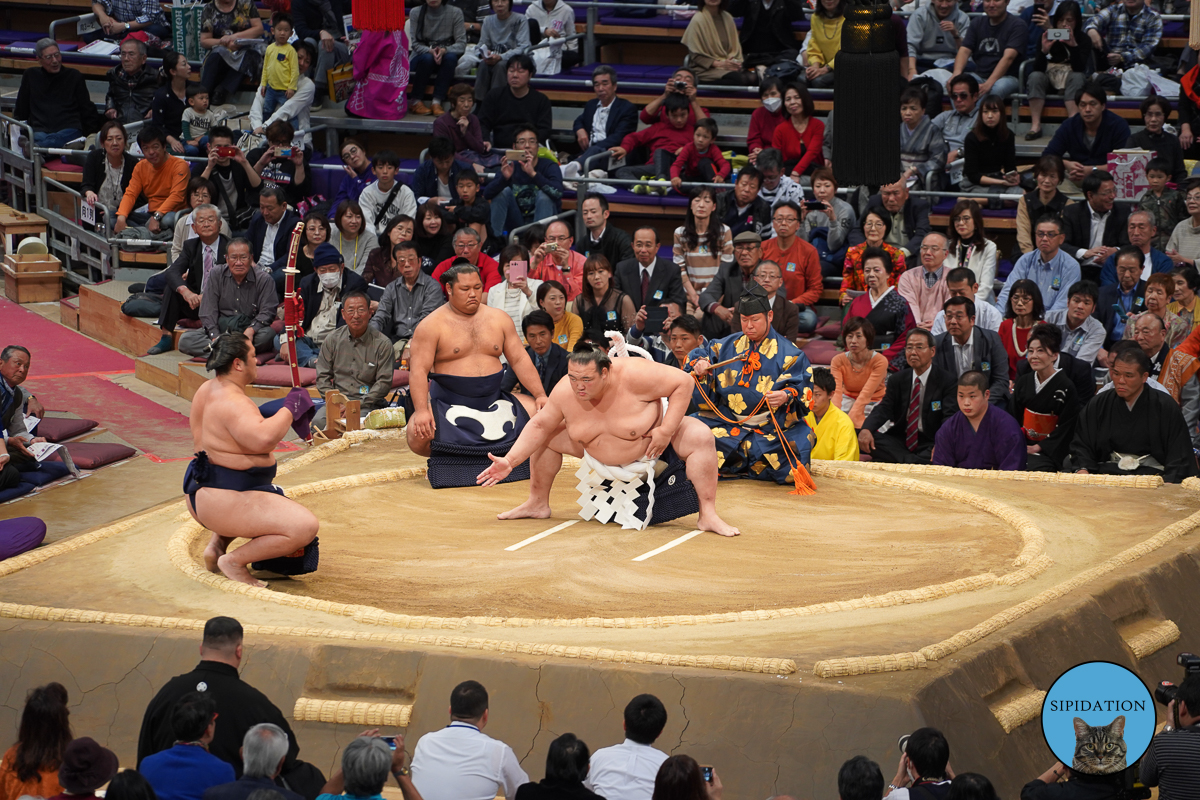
(526, 187)
(282, 164)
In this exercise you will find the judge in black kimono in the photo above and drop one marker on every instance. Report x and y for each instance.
(1045, 402)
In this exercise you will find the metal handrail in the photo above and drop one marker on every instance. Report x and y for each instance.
(512, 235)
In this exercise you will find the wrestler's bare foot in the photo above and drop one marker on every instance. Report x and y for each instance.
(213, 552)
(715, 524)
(530, 509)
(236, 572)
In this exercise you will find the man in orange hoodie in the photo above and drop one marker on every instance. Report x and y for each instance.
(161, 179)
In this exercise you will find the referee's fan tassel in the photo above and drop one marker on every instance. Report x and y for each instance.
(866, 100)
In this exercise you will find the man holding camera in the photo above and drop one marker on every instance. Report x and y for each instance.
(924, 766)
(1172, 762)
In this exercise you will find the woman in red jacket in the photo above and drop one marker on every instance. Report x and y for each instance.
(800, 136)
(766, 118)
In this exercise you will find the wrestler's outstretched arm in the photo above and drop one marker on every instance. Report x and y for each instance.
(254, 432)
(533, 438)
(522, 365)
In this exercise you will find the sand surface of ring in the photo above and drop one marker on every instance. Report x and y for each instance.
(407, 548)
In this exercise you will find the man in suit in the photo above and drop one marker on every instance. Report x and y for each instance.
(548, 358)
(602, 239)
(742, 209)
(910, 217)
(1111, 224)
(270, 229)
(14, 455)
(909, 440)
(604, 122)
(1126, 298)
(186, 277)
(785, 317)
(965, 346)
(720, 298)
(1140, 229)
(648, 279)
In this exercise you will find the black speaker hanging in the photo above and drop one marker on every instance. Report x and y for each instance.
(866, 99)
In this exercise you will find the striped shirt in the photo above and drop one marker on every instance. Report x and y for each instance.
(701, 264)
(1172, 763)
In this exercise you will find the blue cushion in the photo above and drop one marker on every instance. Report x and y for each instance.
(48, 472)
(16, 491)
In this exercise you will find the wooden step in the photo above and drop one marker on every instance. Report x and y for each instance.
(192, 376)
(160, 370)
(68, 312)
(100, 317)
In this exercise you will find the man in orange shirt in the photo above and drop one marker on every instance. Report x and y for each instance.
(554, 260)
(161, 179)
(798, 261)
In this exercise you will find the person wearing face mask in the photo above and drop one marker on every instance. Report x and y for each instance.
(322, 293)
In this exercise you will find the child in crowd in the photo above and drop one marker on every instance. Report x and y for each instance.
(1165, 204)
(922, 148)
(199, 119)
(662, 140)
(386, 197)
(701, 160)
(281, 70)
(471, 209)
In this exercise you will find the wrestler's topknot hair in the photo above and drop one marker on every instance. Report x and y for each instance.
(226, 348)
(587, 353)
(450, 276)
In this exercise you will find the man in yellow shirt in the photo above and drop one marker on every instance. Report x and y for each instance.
(836, 439)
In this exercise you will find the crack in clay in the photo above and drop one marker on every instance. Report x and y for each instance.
(612, 700)
(682, 710)
(541, 713)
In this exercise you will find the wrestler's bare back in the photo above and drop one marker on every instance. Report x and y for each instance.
(217, 409)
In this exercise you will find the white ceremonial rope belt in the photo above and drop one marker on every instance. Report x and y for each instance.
(619, 500)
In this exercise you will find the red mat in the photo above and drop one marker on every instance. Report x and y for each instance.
(57, 350)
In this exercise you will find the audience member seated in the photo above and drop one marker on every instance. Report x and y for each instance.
(436, 178)
(322, 294)
(119, 19)
(1187, 284)
(663, 140)
(960, 282)
(470, 210)
(568, 328)
(359, 173)
(922, 772)
(1060, 65)
(200, 192)
(627, 770)
(910, 217)
(785, 319)
(874, 231)
(1119, 302)
(917, 400)
(882, 306)
(719, 299)
(1048, 173)
(860, 779)
(226, 28)
(548, 358)
(566, 770)
(188, 276)
(682, 82)
(437, 40)
(434, 238)
(1157, 295)
(700, 160)
(979, 436)
(766, 31)
(602, 239)
(766, 118)
(1023, 310)
(366, 763)
(281, 164)
(555, 259)
(935, 32)
(648, 279)
(601, 305)
(1048, 266)
(187, 770)
(86, 766)
(1175, 370)
(319, 25)
(30, 766)
(131, 85)
(958, 120)
(1132, 430)
(1124, 34)
(407, 300)
(922, 149)
(460, 762)
(502, 36)
(1170, 761)
(1188, 114)
(605, 122)
(1167, 205)
(386, 197)
(556, 20)
(355, 358)
(824, 44)
(836, 439)
(170, 101)
(925, 289)
(681, 777)
(515, 295)
(991, 50)
(54, 100)
(968, 246)
(1045, 402)
(798, 261)
(316, 233)
(680, 336)
(1141, 231)
(714, 49)
(381, 264)
(859, 373)
(965, 347)
(776, 185)
(827, 221)
(108, 170)
(798, 138)
(353, 241)
(161, 180)
(264, 750)
(468, 245)
(989, 152)
(1095, 229)
(1083, 335)
(239, 706)
(236, 184)
(702, 244)
(228, 304)
(528, 193)
(270, 229)
(1154, 137)
(296, 110)
(1085, 140)
(511, 108)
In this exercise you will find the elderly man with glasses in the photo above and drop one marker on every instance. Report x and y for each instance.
(799, 264)
(54, 100)
(131, 86)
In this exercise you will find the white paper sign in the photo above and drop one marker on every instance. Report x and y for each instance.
(87, 212)
(87, 25)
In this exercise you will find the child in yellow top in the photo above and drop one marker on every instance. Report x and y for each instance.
(281, 70)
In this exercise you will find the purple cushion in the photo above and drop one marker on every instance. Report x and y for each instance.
(830, 330)
(58, 429)
(19, 535)
(93, 455)
(820, 352)
(399, 378)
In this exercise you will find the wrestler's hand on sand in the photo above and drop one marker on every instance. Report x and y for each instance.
(700, 368)
(422, 424)
(497, 472)
(659, 439)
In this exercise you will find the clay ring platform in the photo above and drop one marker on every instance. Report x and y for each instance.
(893, 598)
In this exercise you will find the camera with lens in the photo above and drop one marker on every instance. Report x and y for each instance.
(680, 86)
(1166, 691)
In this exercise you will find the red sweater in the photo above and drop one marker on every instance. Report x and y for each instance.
(806, 147)
(762, 128)
(662, 115)
(688, 161)
(659, 136)
(801, 269)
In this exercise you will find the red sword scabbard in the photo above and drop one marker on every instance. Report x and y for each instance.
(292, 306)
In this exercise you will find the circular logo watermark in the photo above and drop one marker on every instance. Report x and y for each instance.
(1098, 718)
